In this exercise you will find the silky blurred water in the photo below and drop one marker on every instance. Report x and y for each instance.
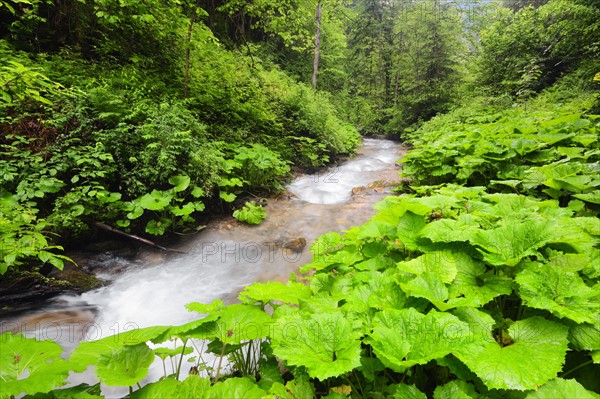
(154, 288)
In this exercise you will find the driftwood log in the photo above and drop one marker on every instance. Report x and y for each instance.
(136, 238)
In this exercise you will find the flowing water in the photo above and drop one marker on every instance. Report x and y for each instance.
(154, 288)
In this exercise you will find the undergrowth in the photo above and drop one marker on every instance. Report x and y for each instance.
(482, 283)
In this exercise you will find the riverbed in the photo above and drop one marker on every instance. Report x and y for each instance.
(153, 287)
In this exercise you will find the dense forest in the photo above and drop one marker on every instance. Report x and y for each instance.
(481, 279)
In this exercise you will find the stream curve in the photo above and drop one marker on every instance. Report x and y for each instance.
(154, 288)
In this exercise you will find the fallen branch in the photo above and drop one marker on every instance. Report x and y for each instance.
(136, 238)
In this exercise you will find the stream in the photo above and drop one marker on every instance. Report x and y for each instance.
(153, 288)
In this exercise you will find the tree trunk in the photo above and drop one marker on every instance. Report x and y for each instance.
(317, 47)
(186, 82)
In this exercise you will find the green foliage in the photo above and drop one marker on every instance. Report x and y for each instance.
(31, 366)
(24, 237)
(525, 51)
(483, 284)
(250, 213)
(550, 153)
(390, 298)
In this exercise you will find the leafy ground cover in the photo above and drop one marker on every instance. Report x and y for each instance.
(458, 290)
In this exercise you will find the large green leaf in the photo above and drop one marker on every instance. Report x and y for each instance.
(328, 242)
(562, 389)
(88, 353)
(586, 336)
(238, 323)
(376, 229)
(441, 263)
(241, 388)
(451, 230)
(193, 387)
(406, 337)
(403, 391)
(535, 356)
(158, 390)
(455, 390)
(124, 366)
(326, 344)
(429, 286)
(473, 286)
(81, 391)
(408, 229)
(593, 197)
(180, 183)
(28, 365)
(563, 293)
(155, 201)
(291, 292)
(510, 243)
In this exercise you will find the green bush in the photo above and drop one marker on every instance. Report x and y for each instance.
(251, 213)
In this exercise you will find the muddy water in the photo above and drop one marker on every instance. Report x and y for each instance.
(154, 288)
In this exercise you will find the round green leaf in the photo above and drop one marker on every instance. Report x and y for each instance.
(536, 355)
(124, 366)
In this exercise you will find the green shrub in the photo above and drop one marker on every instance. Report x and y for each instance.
(251, 213)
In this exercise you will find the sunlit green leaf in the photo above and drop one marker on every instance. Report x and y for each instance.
(535, 356)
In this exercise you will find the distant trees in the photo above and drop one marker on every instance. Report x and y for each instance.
(527, 50)
(404, 57)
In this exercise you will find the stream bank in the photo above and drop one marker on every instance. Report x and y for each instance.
(148, 287)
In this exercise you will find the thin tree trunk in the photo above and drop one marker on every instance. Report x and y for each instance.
(186, 83)
(317, 47)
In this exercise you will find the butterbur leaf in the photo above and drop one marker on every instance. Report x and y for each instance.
(88, 353)
(238, 323)
(157, 390)
(227, 197)
(250, 213)
(563, 293)
(164, 353)
(376, 229)
(155, 201)
(534, 356)
(451, 230)
(179, 183)
(326, 343)
(328, 242)
(403, 391)
(193, 387)
(562, 389)
(408, 229)
(343, 257)
(197, 192)
(406, 337)
(236, 388)
(441, 263)
(28, 365)
(593, 197)
(300, 388)
(370, 366)
(585, 336)
(429, 286)
(124, 366)
(510, 243)
(474, 287)
(455, 390)
(275, 291)
(81, 391)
